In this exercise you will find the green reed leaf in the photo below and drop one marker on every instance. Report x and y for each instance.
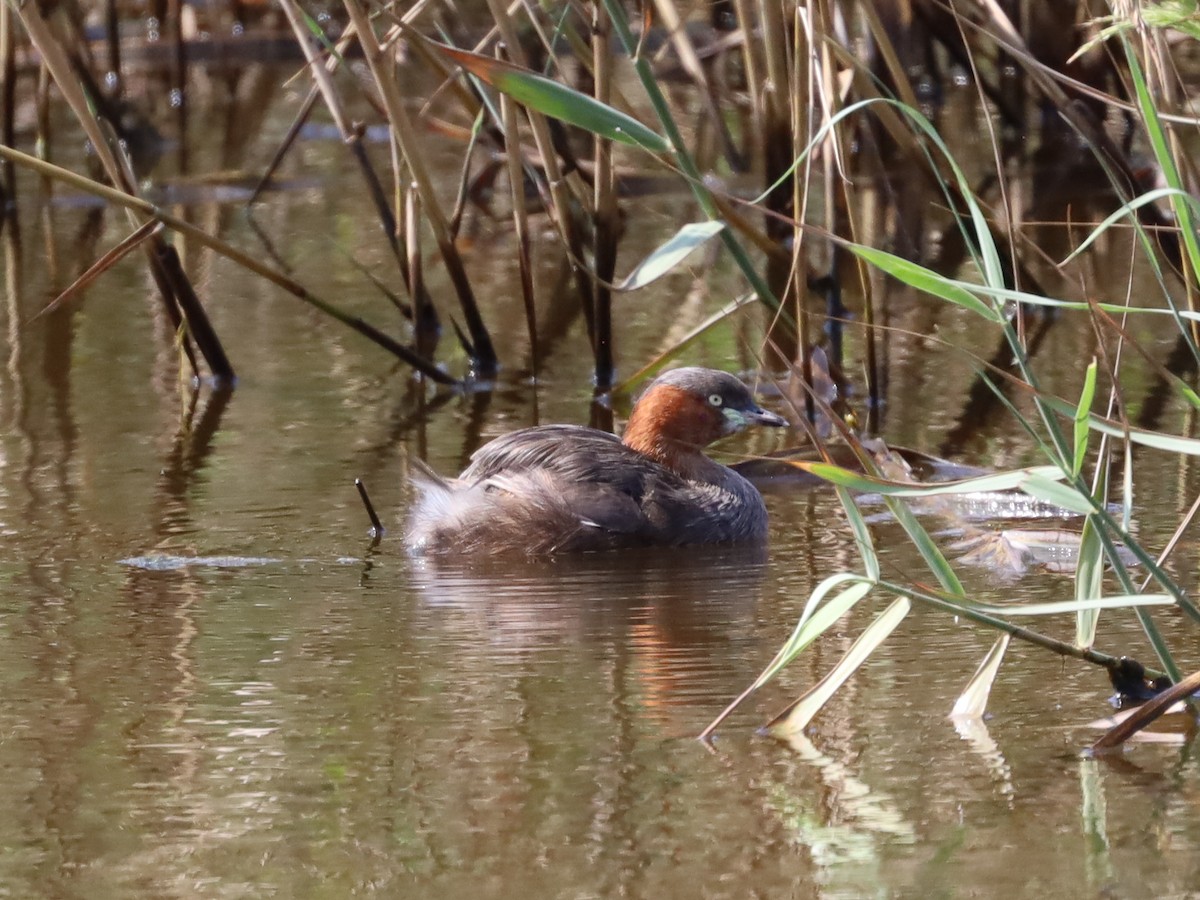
(557, 100)
(926, 280)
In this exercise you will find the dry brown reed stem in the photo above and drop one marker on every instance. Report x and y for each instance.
(424, 316)
(484, 360)
(776, 93)
(606, 227)
(1147, 713)
(147, 229)
(672, 21)
(177, 294)
(559, 189)
(243, 259)
(8, 77)
(510, 122)
(840, 211)
(748, 19)
(802, 94)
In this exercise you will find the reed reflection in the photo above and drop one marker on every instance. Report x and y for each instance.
(670, 619)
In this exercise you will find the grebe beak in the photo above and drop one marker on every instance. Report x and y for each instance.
(759, 416)
(738, 419)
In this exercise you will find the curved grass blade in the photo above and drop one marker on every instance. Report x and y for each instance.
(810, 626)
(557, 100)
(1126, 210)
(934, 558)
(797, 716)
(972, 702)
(670, 254)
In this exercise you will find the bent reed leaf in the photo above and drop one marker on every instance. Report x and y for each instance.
(972, 702)
(557, 100)
(796, 717)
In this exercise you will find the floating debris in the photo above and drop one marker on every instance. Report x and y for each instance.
(164, 563)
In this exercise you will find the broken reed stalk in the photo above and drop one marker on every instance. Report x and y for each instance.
(100, 266)
(377, 529)
(243, 259)
(606, 224)
(56, 61)
(510, 122)
(484, 361)
(1147, 713)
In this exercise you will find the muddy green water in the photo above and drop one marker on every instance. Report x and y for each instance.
(299, 714)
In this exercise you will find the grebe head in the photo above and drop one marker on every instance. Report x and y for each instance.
(688, 409)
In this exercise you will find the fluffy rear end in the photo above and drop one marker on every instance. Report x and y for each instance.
(524, 513)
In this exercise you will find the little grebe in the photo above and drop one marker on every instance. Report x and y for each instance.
(569, 489)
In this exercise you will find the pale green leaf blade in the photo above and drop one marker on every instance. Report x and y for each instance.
(1086, 396)
(797, 717)
(933, 556)
(1062, 607)
(1125, 210)
(1155, 439)
(1062, 495)
(1089, 580)
(670, 254)
(857, 481)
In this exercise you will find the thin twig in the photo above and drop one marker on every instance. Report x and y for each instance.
(377, 529)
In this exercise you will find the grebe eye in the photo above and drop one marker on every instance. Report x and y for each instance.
(715, 399)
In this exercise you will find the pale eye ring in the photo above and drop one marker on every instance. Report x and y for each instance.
(715, 399)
